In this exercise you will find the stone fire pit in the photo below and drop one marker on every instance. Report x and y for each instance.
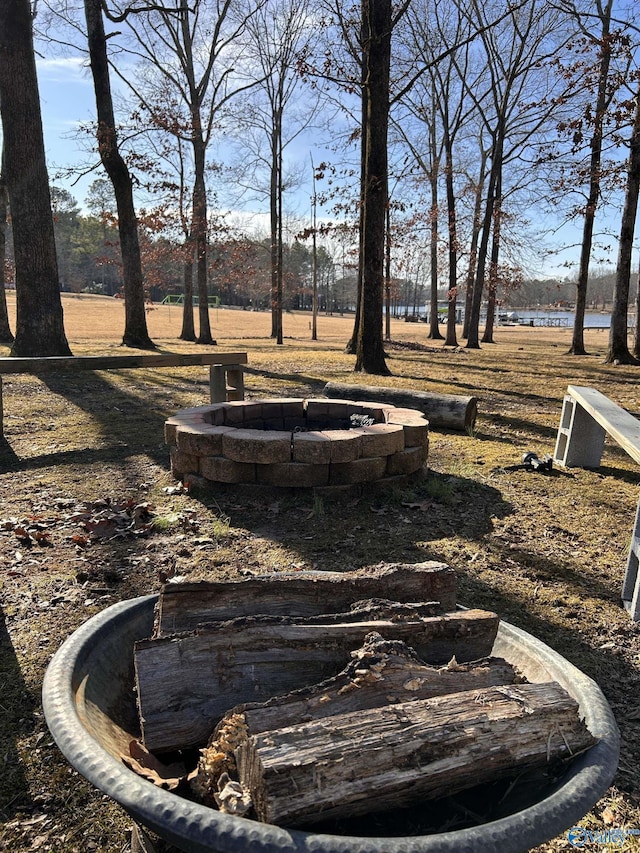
(317, 443)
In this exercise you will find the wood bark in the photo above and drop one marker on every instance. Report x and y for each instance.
(135, 331)
(6, 336)
(39, 322)
(595, 175)
(396, 755)
(370, 356)
(185, 683)
(445, 411)
(182, 607)
(618, 345)
(381, 672)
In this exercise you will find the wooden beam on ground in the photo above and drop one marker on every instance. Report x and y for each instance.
(443, 411)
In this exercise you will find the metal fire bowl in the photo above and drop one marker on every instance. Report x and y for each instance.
(89, 705)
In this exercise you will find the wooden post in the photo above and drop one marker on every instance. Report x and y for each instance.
(218, 383)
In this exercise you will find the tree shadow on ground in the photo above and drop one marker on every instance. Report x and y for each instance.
(16, 720)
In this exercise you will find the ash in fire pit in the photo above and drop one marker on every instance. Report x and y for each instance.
(297, 443)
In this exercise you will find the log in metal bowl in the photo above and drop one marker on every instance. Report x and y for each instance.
(90, 709)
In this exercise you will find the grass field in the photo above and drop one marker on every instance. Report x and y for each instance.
(546, 551)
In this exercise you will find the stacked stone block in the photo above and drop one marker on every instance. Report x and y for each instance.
(297, 443)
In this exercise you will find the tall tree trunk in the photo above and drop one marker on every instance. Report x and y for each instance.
(434, 324)
(487, 337)
(200, 229)
(6, 337)
(452, 293)
(577, 341)
(39, 321)
(188, 332)
(351, 347)
(473, 249)
(618, 347)
(370, 356)
(135, 330)
(473, 339)
(387, 277)
(273, 222)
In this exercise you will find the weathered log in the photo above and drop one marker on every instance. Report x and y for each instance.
(186, 682)
(445, 411)
(182, 607)
(381, 672)
(389, 757)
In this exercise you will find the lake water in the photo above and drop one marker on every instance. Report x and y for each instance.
(561, 319)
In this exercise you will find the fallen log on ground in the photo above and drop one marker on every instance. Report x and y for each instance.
(388, 757)
(381, 672)
(184, 606)
(185, 683)
(443, 411)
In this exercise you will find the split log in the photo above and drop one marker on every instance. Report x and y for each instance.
(381, 672)
(182, 607)
(185, 683)
(394, 756)
(443, 411)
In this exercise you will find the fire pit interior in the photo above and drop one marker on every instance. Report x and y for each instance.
(300, 443)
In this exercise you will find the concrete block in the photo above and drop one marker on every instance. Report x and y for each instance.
(200, 439)
(183, 463)
(405, 461)
(311, 447)
(358, 471)
(219, 469)
(381, 439)
(259, 446)
(346, 445)
(293, 475)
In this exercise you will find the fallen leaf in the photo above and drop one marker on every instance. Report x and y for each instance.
(145, 764)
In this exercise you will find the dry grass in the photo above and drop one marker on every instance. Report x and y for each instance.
(546, 551)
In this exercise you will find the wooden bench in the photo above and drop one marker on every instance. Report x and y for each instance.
(226, 375)
(587, 416)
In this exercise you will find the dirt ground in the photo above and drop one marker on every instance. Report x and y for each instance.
(547, 552)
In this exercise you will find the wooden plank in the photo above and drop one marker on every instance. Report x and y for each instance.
(187, 682)
(117, 362)
(182, 607)
(620, 424)
(397, 755)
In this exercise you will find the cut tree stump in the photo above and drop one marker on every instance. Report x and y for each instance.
(184, 606)
(382, 758)
(381, 672)
(447, 411)
(185, 683)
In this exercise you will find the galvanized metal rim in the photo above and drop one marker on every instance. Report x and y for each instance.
(198, 829)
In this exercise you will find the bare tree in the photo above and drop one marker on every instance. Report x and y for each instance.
(618, 352)
(280, 35)
(39, 321)
(135, 331)
(514, 105)
(191, 53)
(6, 336)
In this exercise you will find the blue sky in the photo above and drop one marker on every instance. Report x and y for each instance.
(67, 101)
